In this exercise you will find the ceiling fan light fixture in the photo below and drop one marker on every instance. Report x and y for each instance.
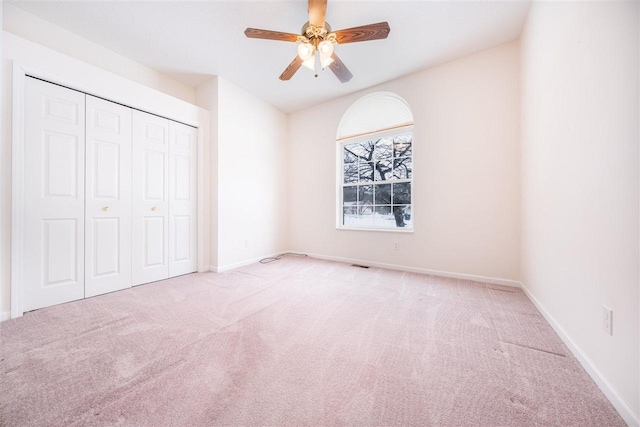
(325, 61)
(325, 48)
(310, 62)
(305, 51)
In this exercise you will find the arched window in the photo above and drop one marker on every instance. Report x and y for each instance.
(375, 143)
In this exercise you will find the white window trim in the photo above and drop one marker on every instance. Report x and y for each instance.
(340, 178)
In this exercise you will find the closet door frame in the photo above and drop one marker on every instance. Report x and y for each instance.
(95, 87)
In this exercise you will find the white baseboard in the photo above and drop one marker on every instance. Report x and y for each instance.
(618, 403)
(5, 315)
(482, 279)
(242, 263)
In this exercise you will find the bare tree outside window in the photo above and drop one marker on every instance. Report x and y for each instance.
(376, 186)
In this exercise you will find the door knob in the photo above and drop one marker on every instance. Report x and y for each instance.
(106, 208)
(154, 209)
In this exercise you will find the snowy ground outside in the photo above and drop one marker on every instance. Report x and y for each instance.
(374, 220)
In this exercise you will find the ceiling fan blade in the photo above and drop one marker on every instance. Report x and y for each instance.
(254, 33)
(291, 69)
(361, 34)
(339, 69)
(317, 12)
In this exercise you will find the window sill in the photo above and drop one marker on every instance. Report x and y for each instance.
(385, 230)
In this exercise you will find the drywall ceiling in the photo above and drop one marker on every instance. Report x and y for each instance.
(191, 41)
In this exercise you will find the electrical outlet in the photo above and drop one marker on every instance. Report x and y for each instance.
(246, 243)
(607, 319)
(396, 246)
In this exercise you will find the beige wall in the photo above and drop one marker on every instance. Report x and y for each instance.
(207, 98)
(35, 29)
(249, 173)
(466, 162)
(580, 181)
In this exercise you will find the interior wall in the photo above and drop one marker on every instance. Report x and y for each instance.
(86, 77)
(31, 27)
(207, 98)
(4, 313)
(580, 181)
(466, 172)
(252, 175)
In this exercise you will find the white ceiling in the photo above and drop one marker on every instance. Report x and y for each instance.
(191, 41)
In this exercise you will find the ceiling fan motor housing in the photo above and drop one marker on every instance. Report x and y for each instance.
(314, 35)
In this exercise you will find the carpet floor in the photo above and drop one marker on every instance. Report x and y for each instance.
(296, 342)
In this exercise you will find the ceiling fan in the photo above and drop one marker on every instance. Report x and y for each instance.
(317, 41)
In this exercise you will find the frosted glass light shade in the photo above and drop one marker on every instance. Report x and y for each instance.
(310, 62)
(305, 51)
(325, 48)
(325, 61)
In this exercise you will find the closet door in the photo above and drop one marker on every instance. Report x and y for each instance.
(54, 195)
(108, 197)
(150, 187)
(182, 199)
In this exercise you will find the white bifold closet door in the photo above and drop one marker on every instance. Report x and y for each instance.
(150, 198)
(108, 197)
(182, 199)
(164, 198)
(54, 195)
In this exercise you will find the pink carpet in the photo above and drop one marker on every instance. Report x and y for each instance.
(295, 342)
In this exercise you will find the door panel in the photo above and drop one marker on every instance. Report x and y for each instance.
(154, 239)
(182, 199)
(60, 165)
(108, 197)
(106, 183)
(54, 195)
(60, 238)
(106, 253)
(182, 178)
(150, 198)
(155, 171)
(62, 110)
(182, 227)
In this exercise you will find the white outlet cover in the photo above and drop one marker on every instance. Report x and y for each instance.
(607, 319)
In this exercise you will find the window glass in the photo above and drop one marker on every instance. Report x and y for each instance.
(376, 186)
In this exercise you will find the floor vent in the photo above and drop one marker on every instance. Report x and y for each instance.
(358, 265)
